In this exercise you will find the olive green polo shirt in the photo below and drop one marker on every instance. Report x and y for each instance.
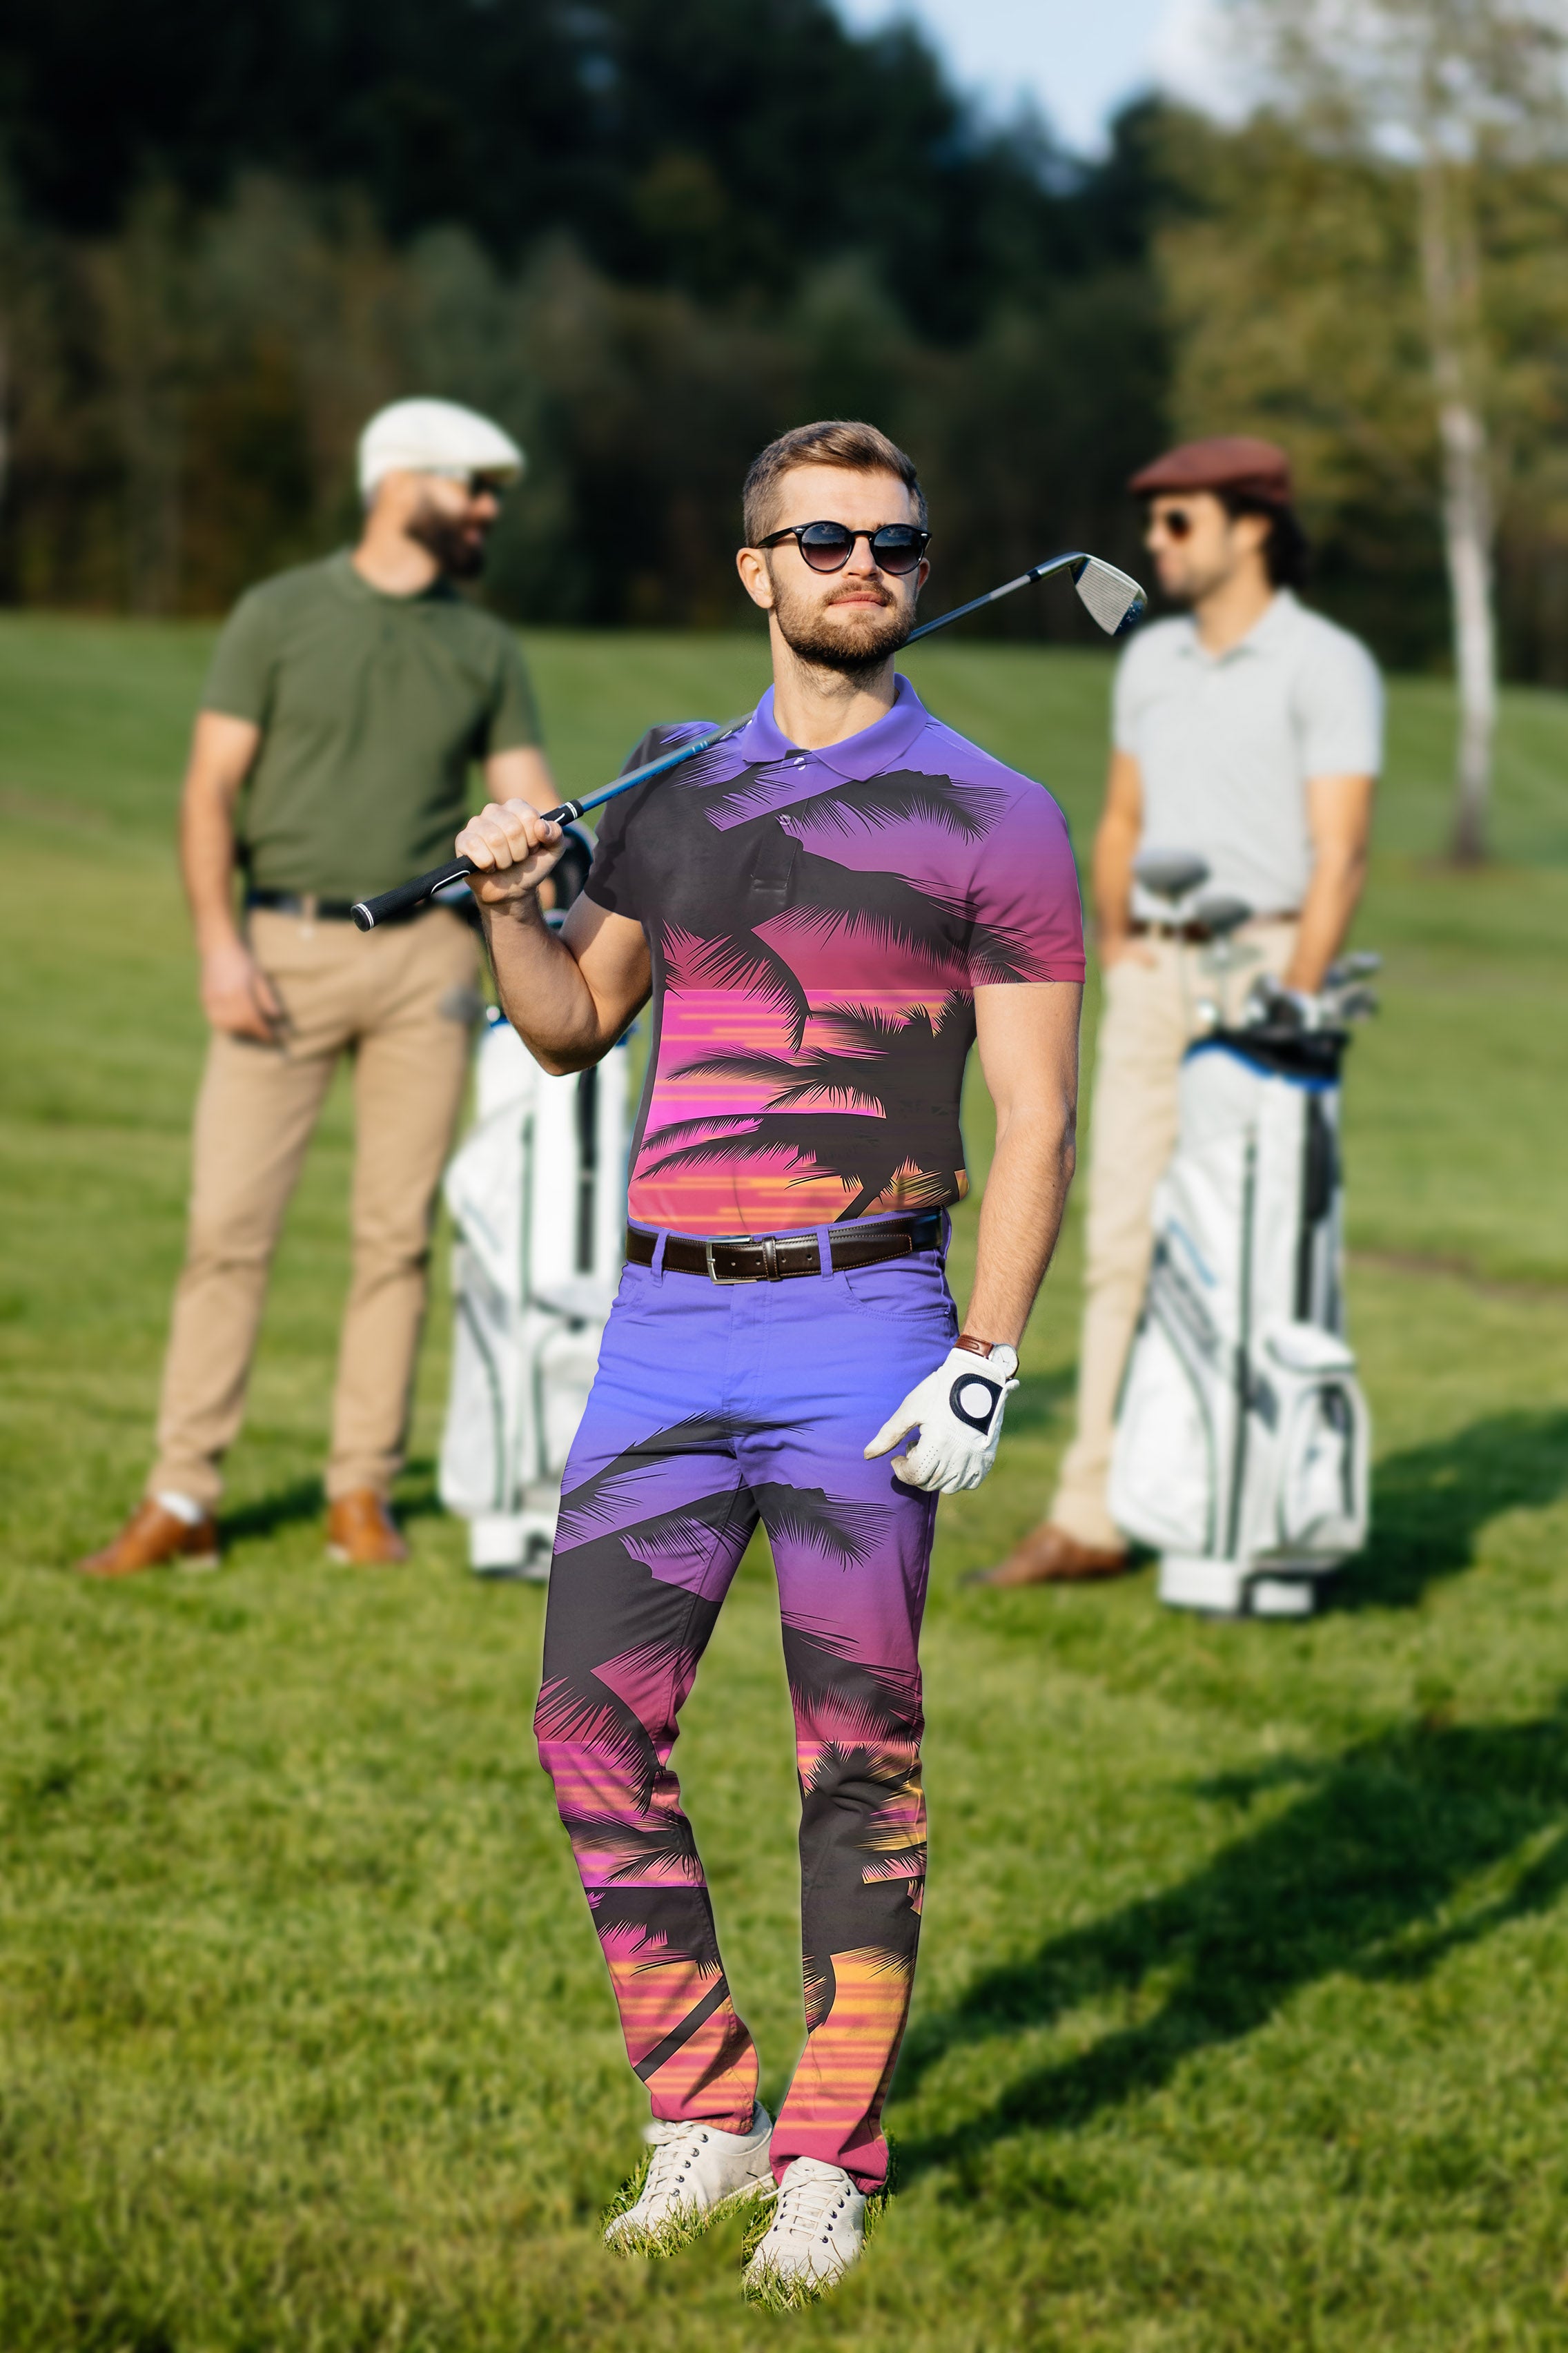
(371, 709)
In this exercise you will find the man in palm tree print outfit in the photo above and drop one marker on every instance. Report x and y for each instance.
(826, 908)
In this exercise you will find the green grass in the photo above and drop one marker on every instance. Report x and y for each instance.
(1239, 2022)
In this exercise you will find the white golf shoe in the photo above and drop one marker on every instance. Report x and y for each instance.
(818, 2230)
(695, 2170)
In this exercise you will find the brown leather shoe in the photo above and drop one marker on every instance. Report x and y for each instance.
(152, 1537)
(362, 1531)
(1049, 1555)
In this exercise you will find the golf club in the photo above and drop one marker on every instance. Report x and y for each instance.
(368, 912)
(1172, 874)
(1114, 599)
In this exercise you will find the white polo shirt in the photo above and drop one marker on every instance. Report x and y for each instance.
(1226, 743)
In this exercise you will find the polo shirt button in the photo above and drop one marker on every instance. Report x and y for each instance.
(799, 760)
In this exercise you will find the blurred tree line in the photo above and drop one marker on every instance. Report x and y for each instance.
(647, 235)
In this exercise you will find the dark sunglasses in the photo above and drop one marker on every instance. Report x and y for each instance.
(1175, 522)
(896, 547)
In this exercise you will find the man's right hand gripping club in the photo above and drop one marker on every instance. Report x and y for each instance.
(513, 849)
(957, 1411)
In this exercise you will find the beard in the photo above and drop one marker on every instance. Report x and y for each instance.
(853, 643)
(457, 548)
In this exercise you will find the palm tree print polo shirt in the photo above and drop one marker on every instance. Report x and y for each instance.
(818, 923)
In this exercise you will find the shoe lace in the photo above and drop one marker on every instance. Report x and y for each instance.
(809, 2204)
(675, 2148)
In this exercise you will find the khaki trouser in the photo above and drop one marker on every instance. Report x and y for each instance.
(1149, 1018)
(380, 998)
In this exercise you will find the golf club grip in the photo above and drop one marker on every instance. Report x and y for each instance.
(403, 901)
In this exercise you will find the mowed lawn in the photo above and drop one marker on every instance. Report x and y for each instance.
(1241, 2021)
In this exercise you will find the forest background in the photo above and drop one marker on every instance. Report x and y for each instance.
(649, 234)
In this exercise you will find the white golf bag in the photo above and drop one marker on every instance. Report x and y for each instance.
(538, 1191)
(1243, 1438)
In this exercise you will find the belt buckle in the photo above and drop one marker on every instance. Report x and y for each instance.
(727, 1281)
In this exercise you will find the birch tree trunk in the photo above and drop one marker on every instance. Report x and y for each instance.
(1449, 278)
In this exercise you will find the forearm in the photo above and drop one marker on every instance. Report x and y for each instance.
(542, 989)
(1020, 1219)
(1333, 896)
(1115, 847)
(206, 866)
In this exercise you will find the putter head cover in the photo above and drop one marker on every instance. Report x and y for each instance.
(958, 1411)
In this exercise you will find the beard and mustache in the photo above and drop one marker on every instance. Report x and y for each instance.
(854, 644)
(457, 547)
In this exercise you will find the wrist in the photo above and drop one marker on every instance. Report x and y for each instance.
(998, 1352)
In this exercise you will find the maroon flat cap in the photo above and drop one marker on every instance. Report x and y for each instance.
(1227, 461)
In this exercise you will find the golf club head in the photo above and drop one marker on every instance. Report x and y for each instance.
(1358, 967)
(1222, 915)
(1112, 598)
(1271, 1006)
(1170, 873)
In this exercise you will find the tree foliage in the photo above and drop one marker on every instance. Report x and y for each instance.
(1296, 310)
(646, 238)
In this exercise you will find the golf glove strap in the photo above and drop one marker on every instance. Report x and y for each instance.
(958, 1411)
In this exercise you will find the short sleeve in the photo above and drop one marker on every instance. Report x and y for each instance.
(1028, 918)
(612, 879)
(1340, 709)
(240, 680)
(514, 716)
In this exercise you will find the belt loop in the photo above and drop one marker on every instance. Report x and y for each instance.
(770, 1257)
(824, 1254)
(657, 1264)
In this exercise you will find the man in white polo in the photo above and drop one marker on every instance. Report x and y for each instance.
(1248, 732)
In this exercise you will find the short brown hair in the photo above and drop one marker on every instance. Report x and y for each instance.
(834, 441)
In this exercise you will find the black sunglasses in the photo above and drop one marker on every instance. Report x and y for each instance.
(896, 547)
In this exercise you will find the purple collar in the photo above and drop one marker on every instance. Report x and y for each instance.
(871, 753)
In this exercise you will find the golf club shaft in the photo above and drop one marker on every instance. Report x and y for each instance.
(368, 912)
(1038, 572)
(401, 900)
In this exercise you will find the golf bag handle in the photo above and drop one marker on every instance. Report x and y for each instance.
(368, 912)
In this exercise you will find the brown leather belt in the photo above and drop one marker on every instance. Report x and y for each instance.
(1199, 934)
(776, 1258)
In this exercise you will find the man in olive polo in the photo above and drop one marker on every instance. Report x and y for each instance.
(330, 759)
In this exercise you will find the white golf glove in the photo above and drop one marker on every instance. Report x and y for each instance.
(958, 1411)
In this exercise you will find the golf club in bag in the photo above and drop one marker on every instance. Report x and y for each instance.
(1113, 598)
(537, 1191)
(1241, 1439)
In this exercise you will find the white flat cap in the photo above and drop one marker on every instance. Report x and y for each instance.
(434, 437)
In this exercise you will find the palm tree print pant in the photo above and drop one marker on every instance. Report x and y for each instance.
(714, 1408)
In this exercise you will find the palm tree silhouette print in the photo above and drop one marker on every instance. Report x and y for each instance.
(770, 877)
(905, 1068)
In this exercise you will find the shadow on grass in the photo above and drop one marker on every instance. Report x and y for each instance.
(305, 1499)
(1363, 1874)
(1430, 1503)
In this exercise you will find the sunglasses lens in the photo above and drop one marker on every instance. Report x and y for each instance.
(825, 545)
(897, 549)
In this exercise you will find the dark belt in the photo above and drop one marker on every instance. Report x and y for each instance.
(774, 1258)
(1198, 935)
(312, 909)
